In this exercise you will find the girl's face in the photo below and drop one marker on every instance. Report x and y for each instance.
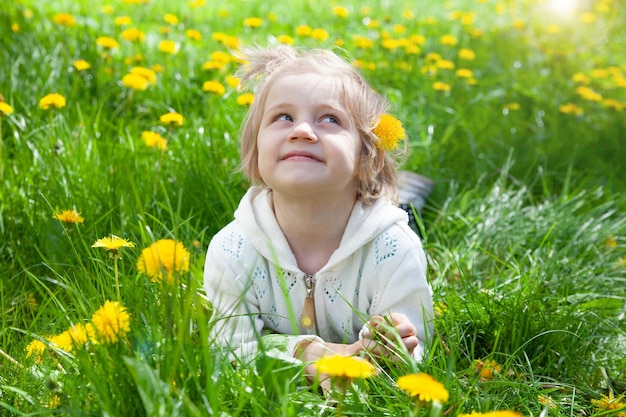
(307, 143)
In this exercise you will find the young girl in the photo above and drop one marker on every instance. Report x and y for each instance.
(318, 259)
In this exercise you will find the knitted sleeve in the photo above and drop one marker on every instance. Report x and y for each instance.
(235, 324)
(401, 285)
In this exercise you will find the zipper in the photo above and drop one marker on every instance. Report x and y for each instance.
(308, 309)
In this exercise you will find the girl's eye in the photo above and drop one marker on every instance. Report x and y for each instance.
(330, 119)
(284, 117)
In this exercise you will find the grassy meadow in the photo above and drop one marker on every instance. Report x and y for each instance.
(119, 142)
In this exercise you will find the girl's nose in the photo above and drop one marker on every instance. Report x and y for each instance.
(303, 130)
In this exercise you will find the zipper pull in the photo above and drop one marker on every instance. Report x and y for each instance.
(308, 310)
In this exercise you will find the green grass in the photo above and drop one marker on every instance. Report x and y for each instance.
(524, 232)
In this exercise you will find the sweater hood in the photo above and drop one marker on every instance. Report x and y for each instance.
(256, 217)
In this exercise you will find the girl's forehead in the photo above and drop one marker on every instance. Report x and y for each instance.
(312, 85)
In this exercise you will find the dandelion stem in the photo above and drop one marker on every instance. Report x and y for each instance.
(1, 164)
(50, 130)
(10, 359)
(117, 283)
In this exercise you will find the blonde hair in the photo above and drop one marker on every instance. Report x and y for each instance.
(377, 171)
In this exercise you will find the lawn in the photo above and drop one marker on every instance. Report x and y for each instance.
(119, 127)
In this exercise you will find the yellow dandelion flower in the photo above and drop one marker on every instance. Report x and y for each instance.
(440, 309)
(233, 81)
(502, 413)
(417, 39)
(399, 28)
(285, 39)
(52, 101)
(486, 369)
(245, 99)
(221, 57)
(196, 3)
(476, 33)
(611, 242)
(432, 57)
(32, 301)
(15, 27)
(303, 30)
(588, 93)
(193, 34)
(372, 23)
(445, 64)
(448, 40)
(107, 42)
(213, 65)
(214, 87)
(610, 403)
(340, 11)
(363, 42)
(468, 18)
(553, 29)
(519, 24)
(587, 17)
(54, 401)
(122, 21)
(455, 15)
(111, 322)
(69, 217)
(348, 367)
(219, 36)
(170, 18)
(107, 9)
(390, 44)
(467, 54)
(162, 259)
(169, 47)
(113, 243)
(172, 118)
(512, 106)
(81, 65)
(579, 77)
(464, 73)
(5, 109)
(62, 341)
(612, 104)
(153, 140)
(133, 35)
(80, 334)
(545, 400)
(389, 132)
(423, 387)
(571, 108)
(135, 82)
(253, 22)
(599, 73)
(35, 347)
(64, 19)
(319, 34)
(147, 73)
(441, 86)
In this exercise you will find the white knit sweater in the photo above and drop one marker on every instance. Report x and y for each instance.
(252, 278)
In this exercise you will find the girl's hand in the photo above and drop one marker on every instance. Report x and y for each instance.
(381, 335)
(311, 350)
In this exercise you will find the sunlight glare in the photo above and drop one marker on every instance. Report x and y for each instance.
(563, 7)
